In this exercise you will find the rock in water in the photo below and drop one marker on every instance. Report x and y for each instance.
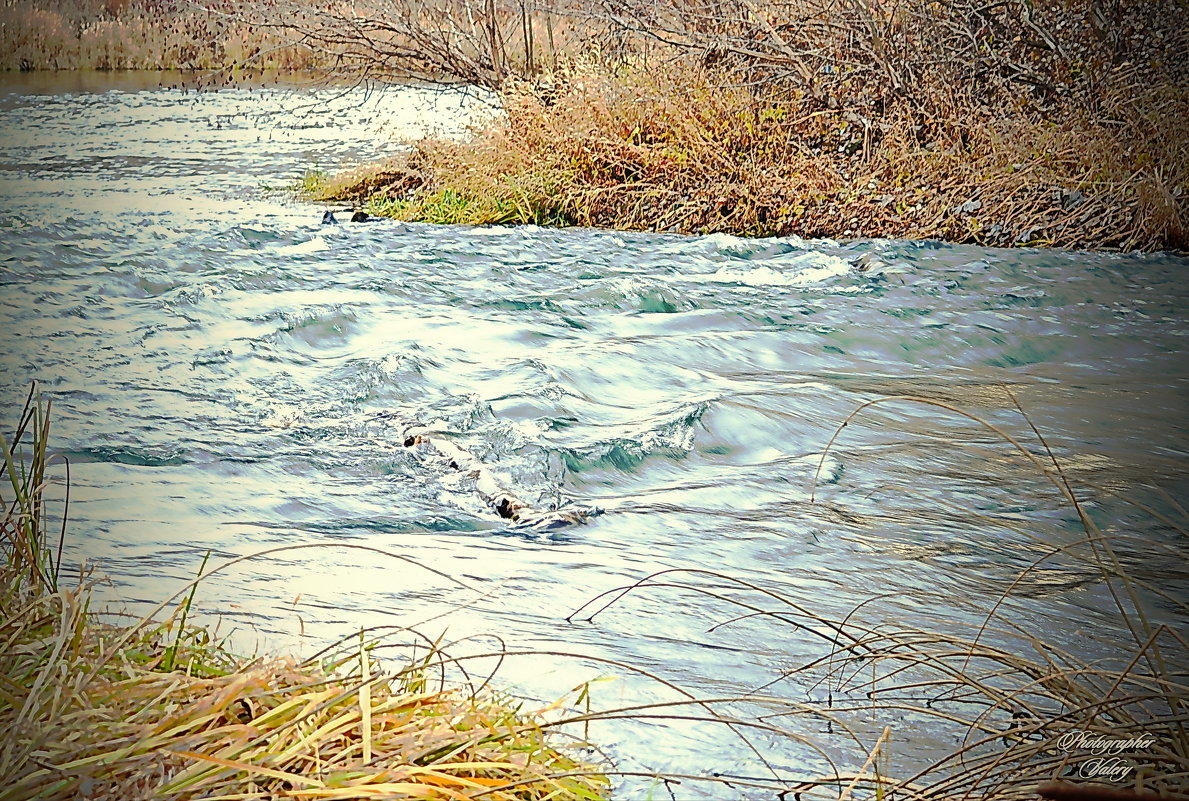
(431, 448)
(328, 218)
(360, 216)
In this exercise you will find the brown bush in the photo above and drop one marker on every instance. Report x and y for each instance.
(684, 149)
(140, 34)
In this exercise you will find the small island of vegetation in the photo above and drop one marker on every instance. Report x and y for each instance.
(1015, 123)
(1023, 122)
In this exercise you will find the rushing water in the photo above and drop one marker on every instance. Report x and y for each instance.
(229, 374)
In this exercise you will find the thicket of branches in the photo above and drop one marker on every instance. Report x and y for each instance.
(1004, 122)
(1057, 122)
(1016, 54)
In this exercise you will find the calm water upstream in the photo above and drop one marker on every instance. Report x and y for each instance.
(229, 374)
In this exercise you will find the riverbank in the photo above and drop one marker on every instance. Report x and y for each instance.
(164, 710)
(683, 150)
(41, 35)
(919, 122)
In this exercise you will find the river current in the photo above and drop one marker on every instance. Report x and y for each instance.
(229, 374)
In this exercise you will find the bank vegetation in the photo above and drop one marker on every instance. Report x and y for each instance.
(1011, 122)
(1054, 122)
(208, 40)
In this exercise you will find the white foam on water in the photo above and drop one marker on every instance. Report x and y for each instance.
(491, 230)
(777, 261)
(283, 416)
(315, 245)
(796, 270)
(731, 246)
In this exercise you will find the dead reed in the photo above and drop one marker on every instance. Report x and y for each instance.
(1023, 710)
(160, 710)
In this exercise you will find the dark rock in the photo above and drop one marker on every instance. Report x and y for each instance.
(328, 218)
(360, 216)
(863, 263)
(504, 509)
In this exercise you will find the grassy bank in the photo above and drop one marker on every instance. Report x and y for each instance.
(1046, 122)
(161, 710)
(689, 150)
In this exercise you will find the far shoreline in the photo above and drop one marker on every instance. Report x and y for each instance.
(138, 80)
(437, 183)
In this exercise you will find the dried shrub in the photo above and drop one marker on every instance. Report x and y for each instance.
(683, 148)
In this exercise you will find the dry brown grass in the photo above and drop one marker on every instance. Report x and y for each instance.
(683, 149)
(1020, 710)
(160, 710)
(142, 35)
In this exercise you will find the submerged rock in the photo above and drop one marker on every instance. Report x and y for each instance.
(357, 215)
(431, 447)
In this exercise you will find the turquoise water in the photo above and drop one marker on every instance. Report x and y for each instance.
(229, 374)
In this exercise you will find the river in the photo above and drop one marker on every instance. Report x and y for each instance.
(228, 374)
